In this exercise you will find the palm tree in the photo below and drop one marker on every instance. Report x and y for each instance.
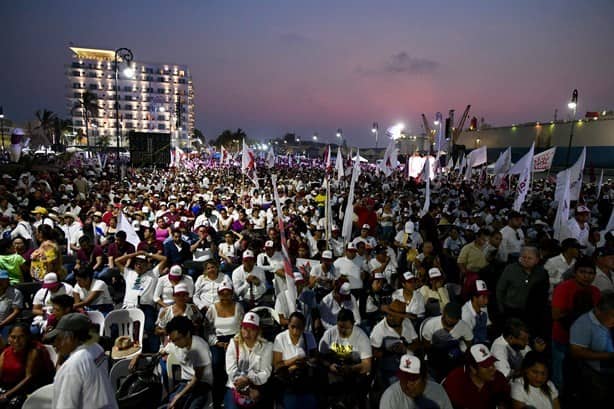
(46, 121)
(89, 104)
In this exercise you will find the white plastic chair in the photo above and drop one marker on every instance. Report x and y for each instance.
(173, 370)
(97, 318)
(53, 355)
(42, 398)
(119, 372)
(126, 321)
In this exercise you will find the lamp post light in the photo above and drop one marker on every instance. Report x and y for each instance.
(573, 105)
(126, 56)
(315, 136)
(375, 131)
(2, 125)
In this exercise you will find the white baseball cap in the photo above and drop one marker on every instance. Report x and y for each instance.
(248, 254)
(327, 254)
(366, 227)
(181, 288)
(225, 285)
(408, 275)
(481, 355)
(298, 277)
(434, 272)
(251, 320)
(409, 227)
(269, 244)
(345, 289)
(409, 366)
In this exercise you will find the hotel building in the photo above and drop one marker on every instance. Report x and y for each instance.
(158, 98)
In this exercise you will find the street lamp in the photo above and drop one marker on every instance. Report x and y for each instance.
(573, 105)
(339, 135)
(126, 55)
(2, 125)
(315, 136)
(375, 131)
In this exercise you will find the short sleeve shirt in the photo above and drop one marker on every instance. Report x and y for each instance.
(197, 356)
(383, 331)
(288, 350)
(356, 347)
(434, 332)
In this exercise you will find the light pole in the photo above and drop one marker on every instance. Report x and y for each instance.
(2, 125)
(126, 55)
(573, 105)
(375, 131)
(340, 135)
(315, 137)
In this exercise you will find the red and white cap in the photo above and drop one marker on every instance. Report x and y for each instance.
(181, 288)
(269, 244)
(298, 277)
(582, 209)
(175, 273)
(409, 367)
(366, 227)
(480, 354)
(50, 280)
(251, 320)
(248, 254)
(225, 285)
(351, 246)
(327, 255)
(481, 288)
(434, 272)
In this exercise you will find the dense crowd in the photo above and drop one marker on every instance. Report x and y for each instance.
(467, 305)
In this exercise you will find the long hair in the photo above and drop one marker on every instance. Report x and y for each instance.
(530, 359)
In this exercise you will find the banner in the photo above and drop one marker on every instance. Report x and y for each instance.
(124, 224)
(346, 230)
(542, 162)
(270, 158)
(562, 211)
(504, 162)
(477, 157)
(575, 176)
(524, 162)
(426, 172)
(339, 165)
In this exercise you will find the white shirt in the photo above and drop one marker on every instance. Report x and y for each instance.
(389, 270)
(205, 290)
(197, 356)
(573, 230)
(460, 331)
(357, 345)
(469, 314)
(415, 306)
(382, 330)
(511, 242)
(83, 381)
(556, 266)
(44, 295)
(395, 398)
(329, 308)
(256, 364)
(602, 281)
(349, 268)
(224, 326)
(144, 288)
(534, 397)
(97, 285)
(502, 351)
(243, 288)
(283, 343)
(164, 288)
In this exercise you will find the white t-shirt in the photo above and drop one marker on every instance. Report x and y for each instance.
(433, 328)
(164, 288)
(357, 345)
(256, 364)
(415, 306)
(97, 285)
(142, 286)
(534, 397)
(205, 290)
(329, 308)
(288, 350)
(349, 268)
(198, 355)
(83, 381)
(382, 330)
(44, 295)
(434, 394)
(223, 326)
(242, 287)
(469, 314)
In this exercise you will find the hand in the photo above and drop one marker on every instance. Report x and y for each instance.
(133, 362)
(3, 397)
(334, 368)
(173, 402)
(241, 382)
(539, 345)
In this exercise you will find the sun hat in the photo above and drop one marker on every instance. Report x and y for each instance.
(123, 347)
(396, 307)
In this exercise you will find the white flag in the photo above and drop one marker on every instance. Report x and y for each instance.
(562, 211)
(426, 175)
(124, 224)
(339, 164)
(600, 184)
(270, 159)
(521, 165)
(542, 162)
(522, 188)
(477, 157)
(504, 162)
(389, 163)
(575, 176)
(248, 160)
(348, 216)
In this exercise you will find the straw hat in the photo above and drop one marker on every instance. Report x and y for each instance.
(396, 307)
(124, 346)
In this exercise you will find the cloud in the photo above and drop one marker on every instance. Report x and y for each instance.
(405, 64)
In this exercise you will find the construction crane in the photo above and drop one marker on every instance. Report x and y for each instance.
(459, 128)
(430, 133)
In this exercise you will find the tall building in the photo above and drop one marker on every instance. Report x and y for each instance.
(158, 98)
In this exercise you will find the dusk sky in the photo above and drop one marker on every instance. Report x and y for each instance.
(271, 67)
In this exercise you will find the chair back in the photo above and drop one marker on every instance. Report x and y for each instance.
(42, 398)
(119, 372)
(97, 319)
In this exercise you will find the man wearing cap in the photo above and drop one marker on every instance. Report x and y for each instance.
(72, 232)
(577, 227)
(40, 216)
(478, 385)
(339, 298)
(364, 237)
(475, 312)
(163, 294)
(82, 381)
(413, 390)
(41, 304)
(249, 280)
(392, 337)
(558, 265)
(351, 267)
(23, 227)
(604, 267)
(382, 263)
(322, 275)
(272, 262)
(512, 238)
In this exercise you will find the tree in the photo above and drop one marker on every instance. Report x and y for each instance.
(199, 135)
(289, 137)
(227, 138)
(89, 104)
(46, 120)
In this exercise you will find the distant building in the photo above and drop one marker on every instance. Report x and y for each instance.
(159, 97)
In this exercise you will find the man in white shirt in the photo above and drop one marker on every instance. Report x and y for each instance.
(82, 381)
(557, 266)
(511, 347)
(73, 232)
(604, 266)
(512, 238)
(249, 280)
(364, 237)
(272, 262)
(577, 227)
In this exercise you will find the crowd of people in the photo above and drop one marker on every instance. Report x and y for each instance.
(467, 305)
